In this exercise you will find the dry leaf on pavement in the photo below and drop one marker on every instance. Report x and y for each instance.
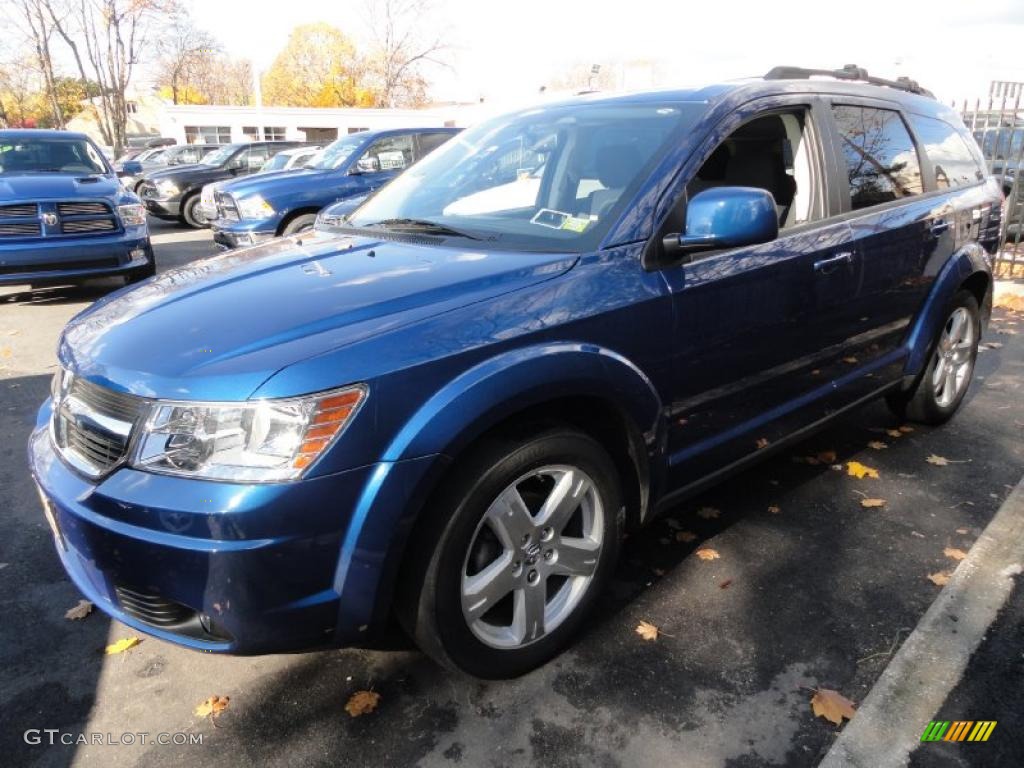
(686, 536)
(954, 553)
(938, 461)
(706, 553)
(871, 503)
(826, 457)
(708, 513)
(878, 445)
(832, 705)
(774, 509)
(80, 611)
(762, 442)
(893, 433)
(646, 630)
(905, 429)
(961, 530)
(213, 706)
(362, 702)
(939, 579)
(122, 645)
(851, 360)
(860, 471)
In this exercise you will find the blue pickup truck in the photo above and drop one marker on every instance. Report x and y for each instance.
(253, 210)
(64, 216)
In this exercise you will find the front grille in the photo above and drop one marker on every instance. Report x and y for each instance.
(82, 226)
(93, 424)
(19, 209)
(83, 209)
(20, 229)
(152, 609)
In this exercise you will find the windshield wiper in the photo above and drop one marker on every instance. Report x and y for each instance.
(422, 225)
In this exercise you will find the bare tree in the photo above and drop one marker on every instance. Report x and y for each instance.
(111, 33)
(403, 45)
(38, 29)
(186, 54)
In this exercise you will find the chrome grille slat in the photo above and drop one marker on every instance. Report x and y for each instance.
(117, 405)
(20, 229)
(92, 426)
(83, 209)
(18, 210)
(88, 225)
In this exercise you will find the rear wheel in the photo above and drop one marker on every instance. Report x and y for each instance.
(942, 387)
(303, 223)
(516, 550)
(191, 213)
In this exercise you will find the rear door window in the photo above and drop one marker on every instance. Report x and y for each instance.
(880, 157)
(949, 156)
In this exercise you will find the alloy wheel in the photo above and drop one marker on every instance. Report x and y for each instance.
(954, 358)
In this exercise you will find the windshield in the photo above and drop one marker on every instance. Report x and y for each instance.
(49, 155)
(547, 179)
(335, 154)
(219, 156)
(276, 163)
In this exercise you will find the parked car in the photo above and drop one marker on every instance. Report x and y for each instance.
(453, 418)
(173, 193)
(1004, 150)
(287, 160)
(183, 154)
(63, 215)
(254, 210)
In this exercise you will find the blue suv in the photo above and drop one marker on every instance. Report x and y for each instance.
(562, 322)
(64, 216)
(251, 211)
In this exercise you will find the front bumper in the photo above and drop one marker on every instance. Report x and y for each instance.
(242, 569)
(238, 238)
(65, 260)
(162, 209)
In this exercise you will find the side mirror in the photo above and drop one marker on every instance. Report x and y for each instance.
(365, 164)
(724, 217)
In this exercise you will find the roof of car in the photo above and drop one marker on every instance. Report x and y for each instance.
(39, 133)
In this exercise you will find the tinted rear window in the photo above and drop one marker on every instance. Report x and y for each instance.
(948, 154)
(881, 161)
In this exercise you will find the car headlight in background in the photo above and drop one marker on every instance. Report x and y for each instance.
(254, 207)
(132, 215)
(258, 441)
(167, 188)
(329, 221)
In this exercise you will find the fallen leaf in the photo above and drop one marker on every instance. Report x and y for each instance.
(725, 584)
(938, 461)
(877, 445)
(213, 706)
(954, 553)
(646, 630)
(123, 645)
(80, 611)
(860, 471)
(708, 513)
(362, 703)
(961, 531)
(851, 360)
(905, 429)
(816, 372)
(774, 509)
(870, 503)
(682, 422)
(826, 457)
(686, 536)
(939, 579)
(832, 705)
(762, 442)
(893, 433)
(706, 553)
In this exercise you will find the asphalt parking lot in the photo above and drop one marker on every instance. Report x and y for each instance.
(810, 589)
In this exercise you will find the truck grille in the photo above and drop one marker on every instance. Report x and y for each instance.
(83, 209)
(72, 217)
(92, 424)
(20, 229)
(87, 225)
(18, 210)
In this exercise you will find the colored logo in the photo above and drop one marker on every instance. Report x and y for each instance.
(958, 730)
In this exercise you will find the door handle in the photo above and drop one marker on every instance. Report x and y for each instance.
(939, 226)
(830, 265)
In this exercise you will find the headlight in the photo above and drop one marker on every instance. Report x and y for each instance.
(329, 221)
(132, 215)
(167, 188)
(258, 441)
(254, 207)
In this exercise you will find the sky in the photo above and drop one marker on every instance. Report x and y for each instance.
(506, 51)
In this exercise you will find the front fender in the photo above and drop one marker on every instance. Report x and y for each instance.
(966, 263)
(513, 381)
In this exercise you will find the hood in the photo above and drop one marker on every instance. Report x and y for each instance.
(56, 186)
(218, 328)
(267, 184)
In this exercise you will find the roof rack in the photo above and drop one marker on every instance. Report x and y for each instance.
(849, 72)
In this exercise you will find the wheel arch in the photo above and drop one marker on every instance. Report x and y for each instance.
(294, 214)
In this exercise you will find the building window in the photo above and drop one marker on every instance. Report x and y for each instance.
(251, 132)
(132, 107)
(207, 134)
(273, 133)
(357, 130)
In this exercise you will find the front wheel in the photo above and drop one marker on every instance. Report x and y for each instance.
(303, 223)
(192, 214)
(942, 387)
(516, 550)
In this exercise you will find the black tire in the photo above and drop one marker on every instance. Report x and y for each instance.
(430, 600)
(190, 213)
(303, 223)
(923, 402)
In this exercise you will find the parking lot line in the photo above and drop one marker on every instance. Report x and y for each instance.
(890, 720)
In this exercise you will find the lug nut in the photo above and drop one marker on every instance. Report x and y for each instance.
(546, 532)
(548, 554)
(532, 577)
(526, 538)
